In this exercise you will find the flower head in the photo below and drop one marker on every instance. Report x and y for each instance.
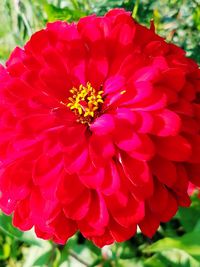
(100, 130)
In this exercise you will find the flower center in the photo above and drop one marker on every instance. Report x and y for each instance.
(85, 102)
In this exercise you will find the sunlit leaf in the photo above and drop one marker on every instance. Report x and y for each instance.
(189, 243)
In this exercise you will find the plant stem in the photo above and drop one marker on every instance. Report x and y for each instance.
(135, 9)
(75, 256)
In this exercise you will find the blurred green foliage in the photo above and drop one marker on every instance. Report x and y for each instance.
(177, 243)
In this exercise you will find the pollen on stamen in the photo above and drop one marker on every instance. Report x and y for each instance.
(85, 102)
(122, 92)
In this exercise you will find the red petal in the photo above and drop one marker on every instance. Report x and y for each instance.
(94, 178)
(111, 182)
(150, 224)
(174, 148)
(45, 169)
(164, 170)
(171, 209)
(166, 123)
(21, 218)
(171, 75)
(63, 228)
(101, 149)
(138, 145)
(131, 214)
(114, 84)
(159, 201)
(78, 209)
(120, 233)
(193, 171)
(103, 240)
(195, 143)
(97, 218)
(69, 189)
(137, 171)
(75, 158)
(36, 123)
(103, 125)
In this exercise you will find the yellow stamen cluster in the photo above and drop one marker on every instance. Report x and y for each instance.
(85, 101)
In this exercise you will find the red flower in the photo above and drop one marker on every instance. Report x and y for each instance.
(100, 130)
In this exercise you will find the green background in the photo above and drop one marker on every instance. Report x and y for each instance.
(176, 243)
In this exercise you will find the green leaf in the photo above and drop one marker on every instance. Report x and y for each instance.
(107, 264)
(189, 217)
(132, 263)
(172, 257)
(6, 227)
(5, 251)
(39, 256)
(127, 252)
(96, 262)
(67, 14)
(154, 262)
(45, 259)
(189, 243)
(93, 248)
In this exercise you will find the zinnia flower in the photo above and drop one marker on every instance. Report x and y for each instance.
(99, 130)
